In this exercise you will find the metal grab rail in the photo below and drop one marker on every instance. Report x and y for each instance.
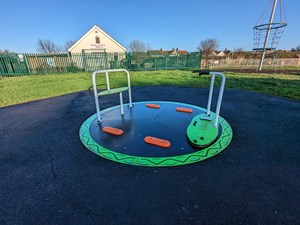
(108, 88)
(212, 81)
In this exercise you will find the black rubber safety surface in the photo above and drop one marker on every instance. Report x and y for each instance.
(49, 177)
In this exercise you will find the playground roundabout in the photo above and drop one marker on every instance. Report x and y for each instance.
(141, 121)
(155, 133)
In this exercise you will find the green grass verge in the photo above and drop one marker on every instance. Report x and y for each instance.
(16, 90)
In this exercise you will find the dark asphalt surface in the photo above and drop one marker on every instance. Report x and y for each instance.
(49, 177)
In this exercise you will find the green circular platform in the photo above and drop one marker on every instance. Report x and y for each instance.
(117, 148)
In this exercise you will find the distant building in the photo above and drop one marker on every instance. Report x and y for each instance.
(161, 52)
(96, 40)
(220, 54)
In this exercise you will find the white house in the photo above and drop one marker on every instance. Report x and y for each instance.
(96, 40)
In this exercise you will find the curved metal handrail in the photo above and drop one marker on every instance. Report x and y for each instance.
(108, 88)
(212, 81)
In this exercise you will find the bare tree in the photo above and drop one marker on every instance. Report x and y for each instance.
(207, 46)
(68, 45)
(239, 49)
(296, 49)
(5, 51)
(47, 46)
(139, 46)
(139, 50)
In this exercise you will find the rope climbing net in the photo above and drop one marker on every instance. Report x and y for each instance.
(260, 33)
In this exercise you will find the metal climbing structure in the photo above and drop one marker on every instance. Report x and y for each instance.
(268, 34)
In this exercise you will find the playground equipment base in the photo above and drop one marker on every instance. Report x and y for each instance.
(140, 122)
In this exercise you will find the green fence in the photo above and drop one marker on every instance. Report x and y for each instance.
(144, 61)
(12, 64)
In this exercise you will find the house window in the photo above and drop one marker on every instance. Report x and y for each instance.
(97, 40)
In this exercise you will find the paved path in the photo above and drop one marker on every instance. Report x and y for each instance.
(48, 177)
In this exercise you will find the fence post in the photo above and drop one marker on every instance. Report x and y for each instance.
(128, 60)
(155, 61)
(27, 64)
(166, 63)
(106, 60)
(187, 60)
(83, 60)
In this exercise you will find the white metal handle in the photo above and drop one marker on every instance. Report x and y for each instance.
(212, 81)
(108, 88)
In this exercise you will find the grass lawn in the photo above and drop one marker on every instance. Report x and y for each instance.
(16, 90)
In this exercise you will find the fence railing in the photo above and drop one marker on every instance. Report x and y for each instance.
(13, 64)
(250, 63)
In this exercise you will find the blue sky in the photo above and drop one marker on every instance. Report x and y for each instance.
(163, 24)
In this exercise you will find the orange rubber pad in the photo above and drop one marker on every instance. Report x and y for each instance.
(112, 130)
(157, 141)
(153, 106)
(187, 110)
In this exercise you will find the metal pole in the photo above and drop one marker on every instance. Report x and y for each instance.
(129, 88)
(96, 97)
(211, 89)
(267, 36)
(107, 80)
(219, 98)
(121, 103)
